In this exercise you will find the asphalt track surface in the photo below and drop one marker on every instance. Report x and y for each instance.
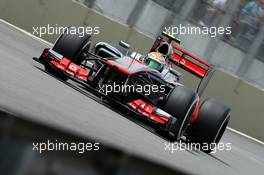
(26, 89)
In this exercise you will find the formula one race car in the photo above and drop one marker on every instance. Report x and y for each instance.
(146, 85)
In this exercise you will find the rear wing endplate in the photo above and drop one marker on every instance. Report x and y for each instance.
(189, 62)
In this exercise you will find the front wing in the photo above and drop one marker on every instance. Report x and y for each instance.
(85, 75)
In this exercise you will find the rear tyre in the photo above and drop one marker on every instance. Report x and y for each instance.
(210, 126)
(180, 104)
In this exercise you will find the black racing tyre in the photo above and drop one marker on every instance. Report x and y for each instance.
(72, 45)
(210, 126)
(180, 104)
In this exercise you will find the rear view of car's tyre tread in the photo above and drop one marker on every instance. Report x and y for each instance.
(210, 125)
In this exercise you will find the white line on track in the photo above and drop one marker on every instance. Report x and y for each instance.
(245, 135)
(27, 33)
(50, 44)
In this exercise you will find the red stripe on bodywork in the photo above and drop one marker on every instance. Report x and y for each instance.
(194, 64)
(147, 110)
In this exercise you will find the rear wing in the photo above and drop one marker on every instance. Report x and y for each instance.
(186, 60)
(181, 57)
(189, 62)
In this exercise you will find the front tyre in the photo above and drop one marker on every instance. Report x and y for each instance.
(210, 126)
(72, 46)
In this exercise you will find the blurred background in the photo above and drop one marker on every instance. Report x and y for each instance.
(239, 82)
(241, 53)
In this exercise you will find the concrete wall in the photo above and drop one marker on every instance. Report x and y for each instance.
(246, 101)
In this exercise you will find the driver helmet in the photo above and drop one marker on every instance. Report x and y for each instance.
(155, 60)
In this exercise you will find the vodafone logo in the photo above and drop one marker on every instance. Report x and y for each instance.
(73, 67)
(183, 62)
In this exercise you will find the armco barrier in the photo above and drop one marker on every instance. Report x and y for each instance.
(246, 101)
